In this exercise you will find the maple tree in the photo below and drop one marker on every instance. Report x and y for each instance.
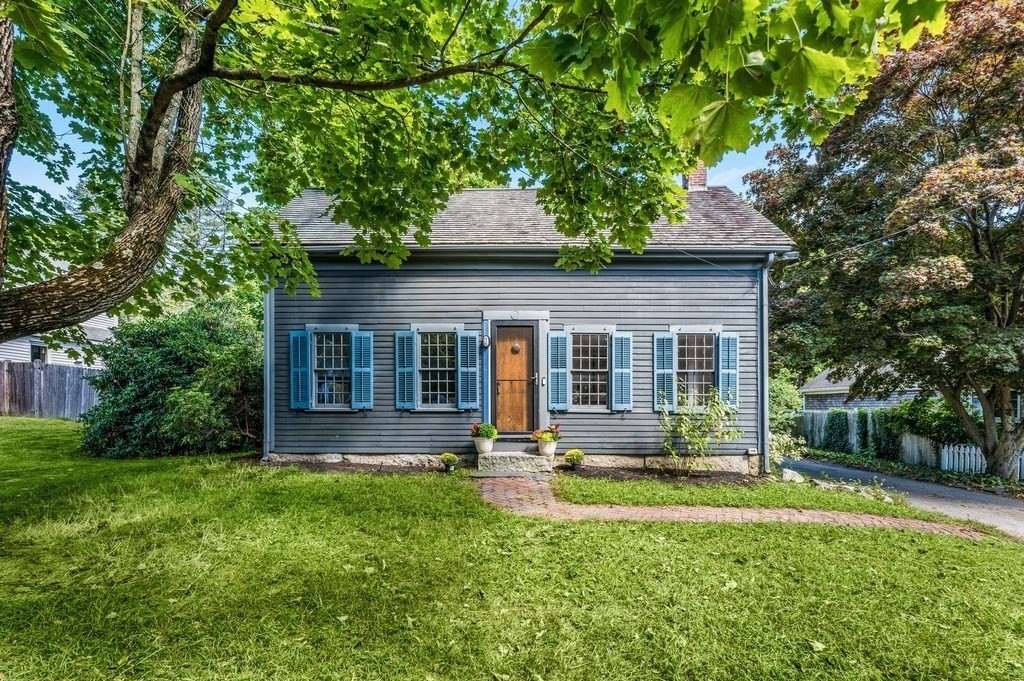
(910, 221)
(390, 107)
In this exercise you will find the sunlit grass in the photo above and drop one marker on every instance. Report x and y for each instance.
(210, 569)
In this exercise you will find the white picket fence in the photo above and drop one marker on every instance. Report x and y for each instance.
(969, 459)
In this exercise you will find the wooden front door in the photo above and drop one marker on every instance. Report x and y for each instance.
(515, 379)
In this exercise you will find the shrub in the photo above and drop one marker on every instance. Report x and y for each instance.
(574, 456)
(783, 446)
(885, 440)
(188, 383)
(928, 417)
(863, 419)
(837, 432)
(691, 430)
(784, 403)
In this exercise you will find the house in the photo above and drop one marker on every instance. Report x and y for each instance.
(393, 366)
(824, 392)
(33, 348)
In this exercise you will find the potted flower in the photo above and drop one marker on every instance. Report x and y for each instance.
(547, 439)
(484, 435)
(574, 457)
(449, 460)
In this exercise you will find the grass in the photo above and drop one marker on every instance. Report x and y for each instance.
(196, 569)
(578, 490)
(869, 462)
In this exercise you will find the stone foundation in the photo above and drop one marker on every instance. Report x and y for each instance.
(748, 464)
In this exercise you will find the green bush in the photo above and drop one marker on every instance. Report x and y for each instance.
(863, 419)
(885, 440)
(784, 403)
(928, 417)
(188, 383)
(837, 432)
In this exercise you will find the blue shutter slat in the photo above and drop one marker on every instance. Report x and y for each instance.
(405, 370)
(622, 371)
(728, 368)
(664, 371)
(362, 370)
(298, 357)
(558, 371)
(467, 361)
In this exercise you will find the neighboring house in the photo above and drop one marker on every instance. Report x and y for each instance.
(33, 348)
(395, 365)
(823, 392)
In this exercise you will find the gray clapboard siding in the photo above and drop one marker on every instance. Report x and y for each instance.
(635, 296)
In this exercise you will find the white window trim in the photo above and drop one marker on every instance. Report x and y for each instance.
(714, 331)
(418, 329)
(314, 329)
(696, 328)
(583, 329)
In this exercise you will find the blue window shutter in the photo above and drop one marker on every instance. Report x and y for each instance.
(558, 371)
(664, 371)
(362, 370)
(622, 371)
(467, 361)
(405, 370)
(729, 368)
(298, 354)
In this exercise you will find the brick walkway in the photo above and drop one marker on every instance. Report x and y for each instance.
(532, 496)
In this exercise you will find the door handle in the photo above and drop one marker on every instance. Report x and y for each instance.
(535, 378)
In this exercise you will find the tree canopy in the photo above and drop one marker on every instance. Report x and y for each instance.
(390, 106)
(910, 220)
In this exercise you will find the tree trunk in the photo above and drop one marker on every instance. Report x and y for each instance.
(85, 292)
(8, 135)
(1002, 459)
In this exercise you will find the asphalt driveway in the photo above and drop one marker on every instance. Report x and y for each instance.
(1001, 512)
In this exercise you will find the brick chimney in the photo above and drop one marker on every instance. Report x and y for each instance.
(697, 180)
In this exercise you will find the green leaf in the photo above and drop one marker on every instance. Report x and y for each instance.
(681, 105)
(724, 125)
(814, 70)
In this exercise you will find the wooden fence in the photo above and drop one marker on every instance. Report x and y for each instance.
(45, 390)
(969, 459)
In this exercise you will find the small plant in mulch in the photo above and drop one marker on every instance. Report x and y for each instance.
(696, 425)
(574, 457)
(449, 460)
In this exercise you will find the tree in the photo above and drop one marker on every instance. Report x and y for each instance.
(390, 106)
(910, 219)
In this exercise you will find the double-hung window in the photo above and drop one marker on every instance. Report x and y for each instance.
(590, 370)
(437, 369)
(695, 367)
(332, 369)
(690, 363)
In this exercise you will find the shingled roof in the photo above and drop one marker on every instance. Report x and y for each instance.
(716, 220)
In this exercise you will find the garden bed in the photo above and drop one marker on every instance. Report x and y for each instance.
(669, 476)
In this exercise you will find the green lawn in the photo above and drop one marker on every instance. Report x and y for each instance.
(209, 569)
(765, 495)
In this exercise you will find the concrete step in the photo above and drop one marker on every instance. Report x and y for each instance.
(515, 462)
